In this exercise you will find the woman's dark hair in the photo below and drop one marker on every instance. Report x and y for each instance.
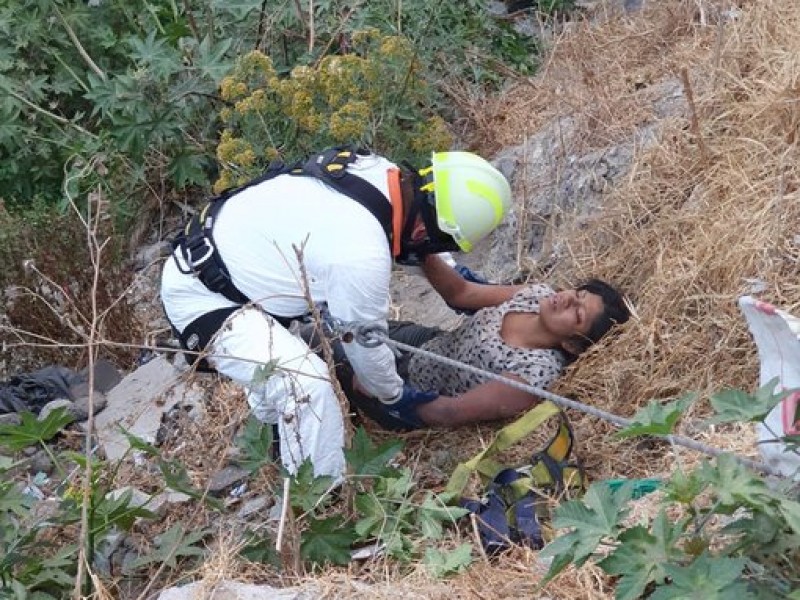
(615, 312)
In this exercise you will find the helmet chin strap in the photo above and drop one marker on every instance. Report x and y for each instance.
(418, 201)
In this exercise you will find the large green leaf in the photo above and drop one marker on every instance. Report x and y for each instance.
(434, 513)
(737, 406)
(171, 545)
(641, 556)
(658, 419)
(367, 460)
(734, 484)
(32, 431)
(307, 491)
(706, 578)
(210, 58)
(593, 519)
(327, 541)
(187, 168)
(255, 445)
(372, 515)
(440, 563)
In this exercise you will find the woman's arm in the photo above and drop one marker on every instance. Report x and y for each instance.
(457, 291)
(487, 402)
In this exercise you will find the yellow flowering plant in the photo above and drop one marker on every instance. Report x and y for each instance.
(374, 96)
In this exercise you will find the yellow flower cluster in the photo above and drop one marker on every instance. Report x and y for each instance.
(430, 135)
(231, 89)
(254, 103)
(344, 77)
(233, 153)
(350, 122)
(372, 94)
(395, 47)
(365, 37)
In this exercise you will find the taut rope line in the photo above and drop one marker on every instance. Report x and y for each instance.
(372, 334)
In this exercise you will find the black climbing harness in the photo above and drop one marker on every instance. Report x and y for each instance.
(196, 241)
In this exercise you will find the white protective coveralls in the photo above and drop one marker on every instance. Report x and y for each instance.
(348, 264)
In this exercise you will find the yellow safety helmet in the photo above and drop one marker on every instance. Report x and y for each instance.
(471, 196)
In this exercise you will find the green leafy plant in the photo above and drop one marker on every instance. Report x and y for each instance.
(174, 544)
(739, 537)
(255, 445)
(441, 563)
(657, 419)
(386, 513)
(31, 431)
(174, 472)
(30, 560)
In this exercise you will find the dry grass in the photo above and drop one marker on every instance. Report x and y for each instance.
(711, 206)
(707, 210)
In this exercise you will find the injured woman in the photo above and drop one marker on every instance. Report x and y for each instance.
(527, 333)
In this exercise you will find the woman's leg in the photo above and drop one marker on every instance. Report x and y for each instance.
(286, 384)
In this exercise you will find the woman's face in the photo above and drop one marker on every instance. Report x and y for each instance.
(570, 312)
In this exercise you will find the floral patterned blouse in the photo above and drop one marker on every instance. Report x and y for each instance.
(477, 342)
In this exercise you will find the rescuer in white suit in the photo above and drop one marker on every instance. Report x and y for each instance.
(234, 281)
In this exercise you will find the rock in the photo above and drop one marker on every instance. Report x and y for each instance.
(138, 403)
(44, 510)
(40, 463)
(255, 505)
(10, 419)
(54, 405)
(232, 590)
(558, 181)
(80, 407)
(226, 478)
(106, 376)
(148, 255)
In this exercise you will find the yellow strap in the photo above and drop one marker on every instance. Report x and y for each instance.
(561, 445)
(505, 438)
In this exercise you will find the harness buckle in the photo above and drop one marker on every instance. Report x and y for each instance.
(208, 253)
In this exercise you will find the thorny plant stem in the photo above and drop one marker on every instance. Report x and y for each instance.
(327, 350)
(695, 121)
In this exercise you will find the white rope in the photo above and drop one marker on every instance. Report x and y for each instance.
(370, 335)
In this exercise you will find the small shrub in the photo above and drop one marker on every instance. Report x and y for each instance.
(47, 283)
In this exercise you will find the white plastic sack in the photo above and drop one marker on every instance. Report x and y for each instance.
(776, 335)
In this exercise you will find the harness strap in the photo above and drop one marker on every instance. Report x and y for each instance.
(505, 438)
(493, 527)
(197, 247)
(504, 520)
(196, 242)
(330, 167)
(514, 508)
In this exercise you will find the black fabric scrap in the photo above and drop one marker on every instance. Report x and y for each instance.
(31, 391)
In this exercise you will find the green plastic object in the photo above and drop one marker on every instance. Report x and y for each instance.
(641, 487)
